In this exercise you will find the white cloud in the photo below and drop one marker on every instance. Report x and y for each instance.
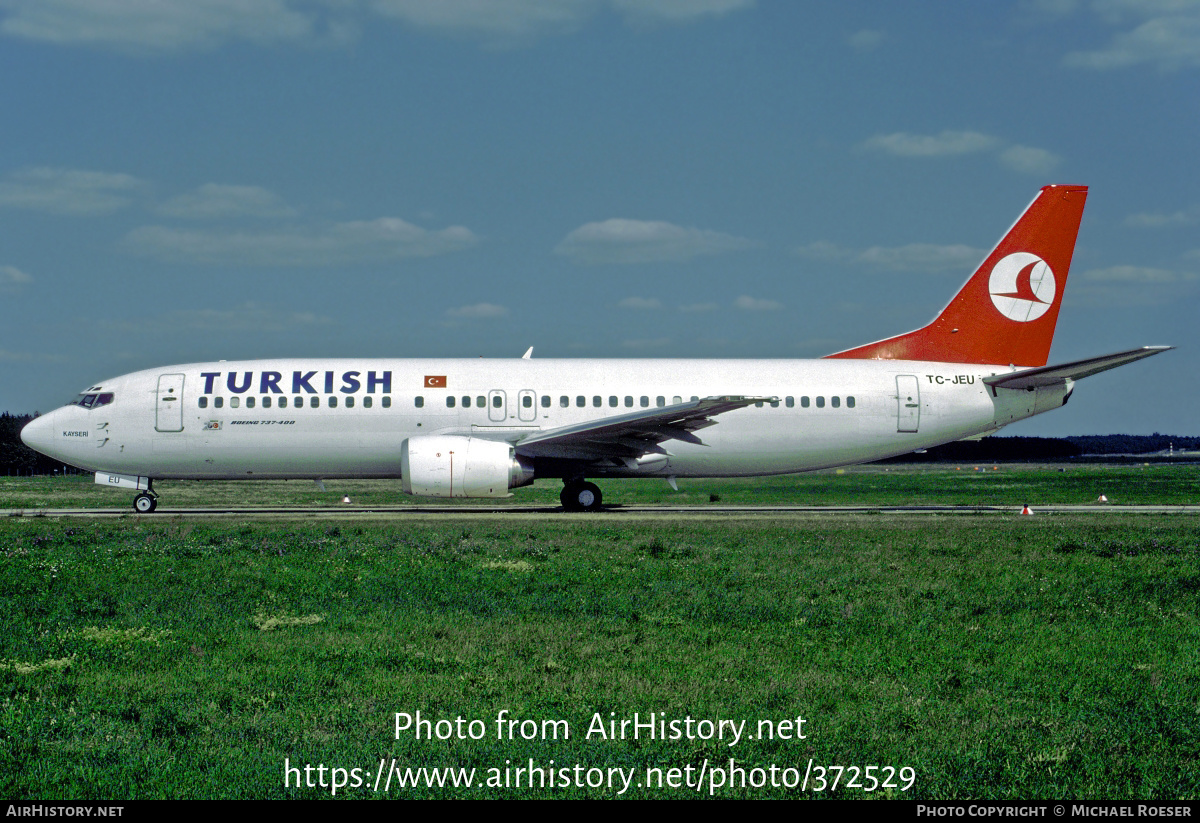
(1168, 36)
(824, 250)
(1028, 160)
(1180, 218)
(387, 238)
(11, 276)
(643, 241)
(68, 191)
(947, 143)
(477, 310)
(866, 40)
(515, 22)
(1126, 286)
(215, 201)
(921, 257)
(497, 22)
(164, 25)
(926, 257)
(647, 12)
(248, 317)
(1136, 274)
(747, 303)
(1024, 159)
(640, 303)
(647, 343)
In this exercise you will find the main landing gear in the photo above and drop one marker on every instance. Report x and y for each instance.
(581, 496)
(145, 503)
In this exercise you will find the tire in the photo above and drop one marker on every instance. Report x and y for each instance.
(581, 497)
(144, 504)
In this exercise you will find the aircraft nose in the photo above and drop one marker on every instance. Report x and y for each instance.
(37, 434)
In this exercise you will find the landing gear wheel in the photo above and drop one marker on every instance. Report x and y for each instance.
(581, 497)
(145, 503)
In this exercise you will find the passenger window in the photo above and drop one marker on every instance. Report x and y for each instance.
(596, 401)
(676, 400)
(387, 402)
(218, 402)
(628, 402)
(368, 402)
(234, 402)
(790, 401)
(266, 402)
(481, 402)
(203, 402)
(775, 403)
(660, 401)
(836, 402)
(496, 401)
(249, 402)
(466, 401)
(332, 401)
(612, 400)
(350, 402)
(758, 404)
(804, 402)
(581, 401)
(695, 398)
(850, 402)
(545, 401)
(418, 401)
(645, 401)
(564, 402)
(315, 402)
(527, 402)
(820, 402)
(297, 402)
(451, 401)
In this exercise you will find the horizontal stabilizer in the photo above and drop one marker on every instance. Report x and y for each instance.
(1053, 375)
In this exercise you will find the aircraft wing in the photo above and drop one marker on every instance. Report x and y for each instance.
(633, 435)
(1052, 375)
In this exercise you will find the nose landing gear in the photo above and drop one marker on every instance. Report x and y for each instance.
(581, 496)
(145, 503)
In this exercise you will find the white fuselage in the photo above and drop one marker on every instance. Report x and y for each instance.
(314, 418)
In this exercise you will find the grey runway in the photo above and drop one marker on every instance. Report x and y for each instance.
(612, 512)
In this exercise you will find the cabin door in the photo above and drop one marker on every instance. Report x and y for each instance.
(169, 412)
(908, 403)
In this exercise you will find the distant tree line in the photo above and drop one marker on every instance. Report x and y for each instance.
(1133, 443)
(1049, 448)
(18, 459)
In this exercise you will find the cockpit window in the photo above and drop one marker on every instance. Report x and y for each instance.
(94, 401)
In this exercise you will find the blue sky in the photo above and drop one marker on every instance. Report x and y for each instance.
(185, 180)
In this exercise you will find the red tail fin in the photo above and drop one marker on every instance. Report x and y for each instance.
(1007, 311)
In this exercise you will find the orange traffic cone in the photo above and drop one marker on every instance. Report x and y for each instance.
(1026, 510)
(1101, 499)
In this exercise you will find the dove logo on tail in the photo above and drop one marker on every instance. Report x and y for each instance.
(1022, 287)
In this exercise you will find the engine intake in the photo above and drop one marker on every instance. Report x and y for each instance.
(456, 466)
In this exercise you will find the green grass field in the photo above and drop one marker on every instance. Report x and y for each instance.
(994, 656)
(968, 484)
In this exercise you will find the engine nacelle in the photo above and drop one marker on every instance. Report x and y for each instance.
(455, 466)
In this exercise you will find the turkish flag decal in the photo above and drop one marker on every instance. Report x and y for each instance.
(435, 381)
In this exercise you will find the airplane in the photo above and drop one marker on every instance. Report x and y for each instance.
(478, 428)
